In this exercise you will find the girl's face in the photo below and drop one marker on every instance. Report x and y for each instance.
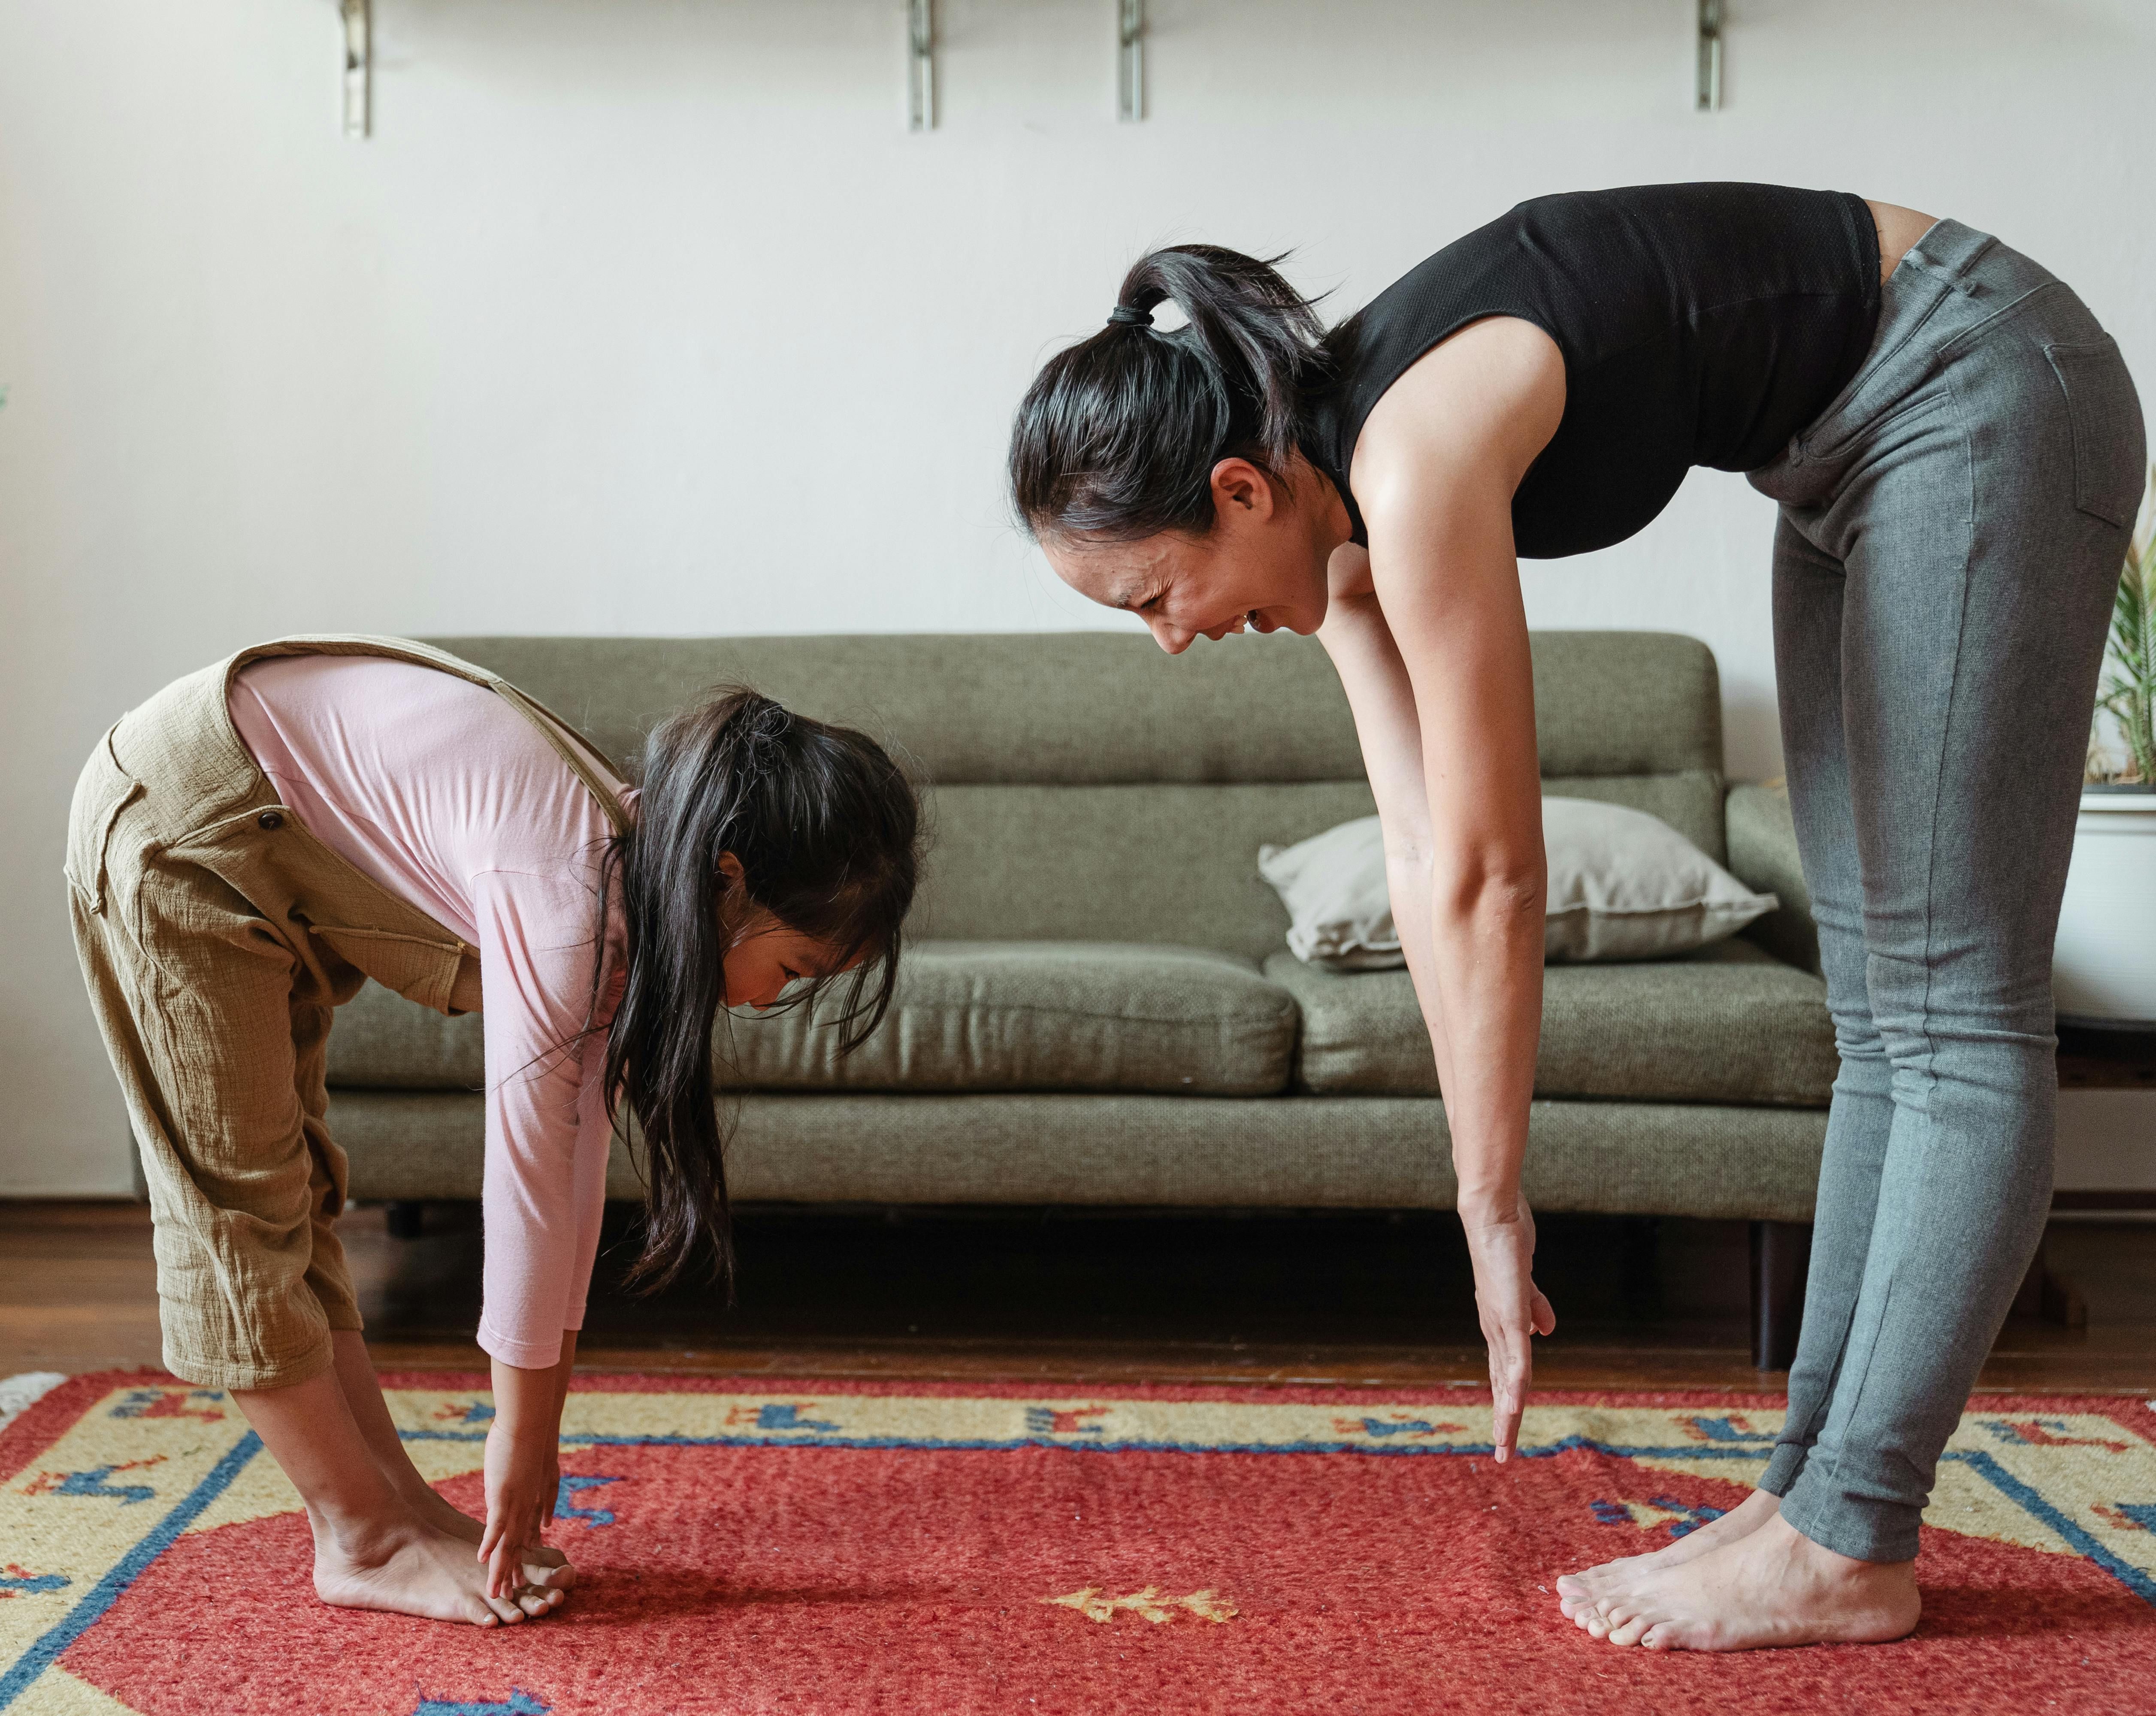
(764, 957)
(1261, 567)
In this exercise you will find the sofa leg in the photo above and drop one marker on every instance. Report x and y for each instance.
(1781, 1254)
(406, 1219)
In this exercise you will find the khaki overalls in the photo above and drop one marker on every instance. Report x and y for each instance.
(216, 936)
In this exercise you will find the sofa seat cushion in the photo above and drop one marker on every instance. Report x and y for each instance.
(1727, 1024)
(975, 1016)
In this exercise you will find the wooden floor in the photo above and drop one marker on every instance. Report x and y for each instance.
(1099, 1297)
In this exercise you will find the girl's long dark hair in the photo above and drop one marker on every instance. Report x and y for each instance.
(827, 829)
(1118, 435)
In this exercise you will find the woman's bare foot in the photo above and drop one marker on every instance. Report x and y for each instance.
(1580, 1595)
(543, 1565)
(1772, 1586)
(409, 1568)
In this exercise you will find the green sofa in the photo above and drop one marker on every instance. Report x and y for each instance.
(1097, 1006)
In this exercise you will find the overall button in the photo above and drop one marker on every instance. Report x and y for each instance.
(270, 819)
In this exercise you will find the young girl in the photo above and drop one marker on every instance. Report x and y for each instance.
(254, 843)
(1956, 446)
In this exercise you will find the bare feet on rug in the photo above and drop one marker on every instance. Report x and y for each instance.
(543, 1565)
(410, 1568)
(1580, 1595)
(1772, 1587)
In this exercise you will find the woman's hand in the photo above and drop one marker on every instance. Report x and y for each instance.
(1501, 1244)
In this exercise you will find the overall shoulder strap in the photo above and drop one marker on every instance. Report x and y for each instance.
(578, 752)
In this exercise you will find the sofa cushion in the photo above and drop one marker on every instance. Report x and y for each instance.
(1343, 1152)
(1085, 787)
(973, 1015)
(1074, 709)
(1729, 1024)
(1623, 885)
(967, 1016)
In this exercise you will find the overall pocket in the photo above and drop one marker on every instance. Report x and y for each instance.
(417, 968)
(102, 791)
(2106, 414)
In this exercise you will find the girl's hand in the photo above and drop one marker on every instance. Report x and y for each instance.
(522, 1468)
(523, 1465)
(1501, 1244)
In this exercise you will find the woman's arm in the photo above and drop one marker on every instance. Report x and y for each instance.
(1387, 724)
(1382, 701)
(1451, 702)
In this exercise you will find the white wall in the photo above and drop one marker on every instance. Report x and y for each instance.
(649, 315)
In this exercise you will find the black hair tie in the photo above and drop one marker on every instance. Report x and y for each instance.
(1129, 315)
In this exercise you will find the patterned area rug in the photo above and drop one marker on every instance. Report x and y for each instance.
(832, 1549)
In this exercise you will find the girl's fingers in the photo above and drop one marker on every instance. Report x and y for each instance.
(502, 1572)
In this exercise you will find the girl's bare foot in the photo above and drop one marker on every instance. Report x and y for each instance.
(410, 1568)
(361, 1389)
(1772, 1586)
(1580, 1595)
(374, 1547)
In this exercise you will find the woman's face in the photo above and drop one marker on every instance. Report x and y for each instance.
(1261, 567)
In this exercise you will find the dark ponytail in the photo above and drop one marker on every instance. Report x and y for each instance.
(826, 829)
(1118, 435)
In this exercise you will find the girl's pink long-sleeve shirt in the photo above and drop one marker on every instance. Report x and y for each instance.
(438, 790)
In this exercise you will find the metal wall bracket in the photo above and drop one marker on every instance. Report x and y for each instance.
(1710, 55)
(358, 66)
(921, 65)
(1129, 60)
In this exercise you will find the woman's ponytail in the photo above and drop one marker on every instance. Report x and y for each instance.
(827, 829)
(1118, 435)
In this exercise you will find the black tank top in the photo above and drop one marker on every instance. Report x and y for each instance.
(1699, 323)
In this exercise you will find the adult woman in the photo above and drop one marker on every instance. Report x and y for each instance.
(1957, 449)
(256, 839)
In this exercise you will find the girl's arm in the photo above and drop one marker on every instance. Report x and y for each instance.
(1441, 678)
(547, 1144)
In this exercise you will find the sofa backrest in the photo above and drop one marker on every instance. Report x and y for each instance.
(1084, 786)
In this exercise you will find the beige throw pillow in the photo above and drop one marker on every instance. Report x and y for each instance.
(1623, 885)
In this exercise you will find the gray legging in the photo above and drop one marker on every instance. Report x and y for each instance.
(1951, 537)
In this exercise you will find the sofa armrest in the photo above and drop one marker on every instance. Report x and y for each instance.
(1762, 855)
